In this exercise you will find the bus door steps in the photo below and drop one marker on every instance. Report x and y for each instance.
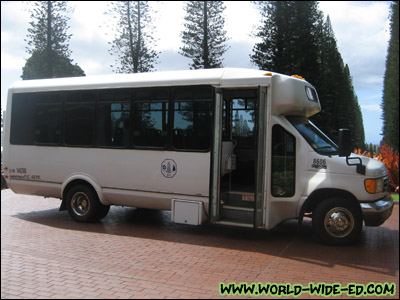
(230, 223)
(237, 214)
(241, 199)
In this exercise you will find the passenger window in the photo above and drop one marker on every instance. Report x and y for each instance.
(150, 124)
(113, 124)
(283, 162)
(192, 128)
(23, 119)
(192, 125)
(81, 96)
(79, 123)
(150, 118)
(48, 123)
(243, 121)
(37, 118)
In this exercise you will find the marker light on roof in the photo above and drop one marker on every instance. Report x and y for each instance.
(299, 77)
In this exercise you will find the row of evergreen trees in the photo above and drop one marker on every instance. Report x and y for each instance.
(295, 39)
(390, 103)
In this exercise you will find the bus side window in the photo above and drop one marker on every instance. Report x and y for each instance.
(113, 120)
(79, 123)
(193, 113)
(79, 118)
(283, 162)
(150, 124)
(243, 121)
(48, 123)
(23, 107)
(192, 125)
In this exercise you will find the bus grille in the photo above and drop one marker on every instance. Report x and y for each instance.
(385, 184)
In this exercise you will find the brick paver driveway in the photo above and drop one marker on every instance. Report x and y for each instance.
(141, 254)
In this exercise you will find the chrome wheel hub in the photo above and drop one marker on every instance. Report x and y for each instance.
(339, 222)
(80, 204)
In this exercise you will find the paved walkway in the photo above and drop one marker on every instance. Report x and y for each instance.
(141, 254)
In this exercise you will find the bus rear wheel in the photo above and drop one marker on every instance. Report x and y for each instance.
(337, 221)
(83, 204)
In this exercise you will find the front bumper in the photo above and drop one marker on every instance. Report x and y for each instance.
(376, 213)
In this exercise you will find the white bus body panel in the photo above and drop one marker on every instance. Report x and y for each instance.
(316, 172)
(187, 212)
(289, 97)
(121, 177)
(278, 209)
(139, 80)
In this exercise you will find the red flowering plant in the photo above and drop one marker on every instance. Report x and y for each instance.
(391, 159)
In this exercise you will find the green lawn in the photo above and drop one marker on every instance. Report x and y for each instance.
(395, 197)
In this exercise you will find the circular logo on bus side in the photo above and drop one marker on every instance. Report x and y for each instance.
(169, 168)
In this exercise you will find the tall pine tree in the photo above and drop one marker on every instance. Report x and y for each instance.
(204, 37)
(340, 108)
(390, 103)
(350, 114)
(288, 38)
(48, 43)
(330, 81)
(133, 43)
(296, 40)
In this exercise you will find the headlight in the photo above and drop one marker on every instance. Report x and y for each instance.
(374, 186)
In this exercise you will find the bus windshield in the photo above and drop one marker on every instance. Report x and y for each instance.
(315, 137)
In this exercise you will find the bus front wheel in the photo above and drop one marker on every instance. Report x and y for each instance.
(84, 206)
(337, 221)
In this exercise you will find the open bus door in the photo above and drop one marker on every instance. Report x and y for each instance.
(238, 164)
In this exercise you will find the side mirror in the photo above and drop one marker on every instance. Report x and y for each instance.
(345, 147)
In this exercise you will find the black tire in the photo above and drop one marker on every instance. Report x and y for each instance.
(83, 204)
(337, 221)
(103, 211)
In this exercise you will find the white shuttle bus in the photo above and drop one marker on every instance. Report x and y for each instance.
(223, 146)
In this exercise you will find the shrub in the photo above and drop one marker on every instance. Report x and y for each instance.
(391, 159)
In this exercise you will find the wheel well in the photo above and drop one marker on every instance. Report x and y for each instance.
(69, 186)
(317, 196)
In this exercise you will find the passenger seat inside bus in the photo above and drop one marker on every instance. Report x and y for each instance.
(228, 159)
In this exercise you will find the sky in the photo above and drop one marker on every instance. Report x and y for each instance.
(361, 28)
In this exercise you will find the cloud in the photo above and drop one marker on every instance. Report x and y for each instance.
(238, 55)
(92, 55)
(89, 22)
(168, 21)
(172, 60)
(362, 33)
(241, 18)
(372, 107)
(11, 62)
